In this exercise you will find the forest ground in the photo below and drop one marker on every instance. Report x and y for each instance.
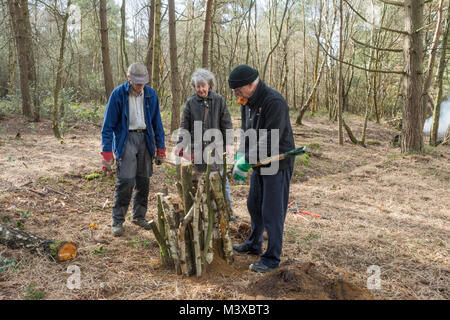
(386, 210)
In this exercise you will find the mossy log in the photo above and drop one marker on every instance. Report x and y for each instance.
(17, 239)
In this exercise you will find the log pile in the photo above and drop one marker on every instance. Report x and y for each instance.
(192, 226)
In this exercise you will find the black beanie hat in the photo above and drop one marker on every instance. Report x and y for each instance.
(241, 76)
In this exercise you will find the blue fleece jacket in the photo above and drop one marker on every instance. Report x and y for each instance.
(116, 121)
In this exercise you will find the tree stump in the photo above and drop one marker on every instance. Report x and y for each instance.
(194, 228)
(17, 239)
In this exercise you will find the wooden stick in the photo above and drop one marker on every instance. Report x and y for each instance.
(208, 239)
(161, 224)
(224, 186)
(223, 222)
(165, 256)
(186, 182)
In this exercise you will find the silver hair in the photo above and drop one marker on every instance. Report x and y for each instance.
(203, 76)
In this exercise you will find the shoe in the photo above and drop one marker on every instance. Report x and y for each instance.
(117, 230)
(142, 223)
(242, 248)
(260, 267)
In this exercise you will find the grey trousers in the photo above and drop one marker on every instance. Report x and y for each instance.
(133, 172)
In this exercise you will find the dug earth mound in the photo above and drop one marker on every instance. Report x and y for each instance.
(304, 282)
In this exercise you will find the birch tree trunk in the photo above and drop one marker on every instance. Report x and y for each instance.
(15, 10)
(427, 83)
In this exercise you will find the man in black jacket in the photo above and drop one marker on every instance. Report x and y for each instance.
(265, 115)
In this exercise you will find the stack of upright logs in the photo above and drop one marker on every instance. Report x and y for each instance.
(192, 226)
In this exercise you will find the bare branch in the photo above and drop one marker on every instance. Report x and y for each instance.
(378, 27)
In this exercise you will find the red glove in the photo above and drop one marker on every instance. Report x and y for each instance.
(161, 153)
(108, 160)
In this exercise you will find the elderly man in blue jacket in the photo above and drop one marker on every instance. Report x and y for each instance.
(133, 130)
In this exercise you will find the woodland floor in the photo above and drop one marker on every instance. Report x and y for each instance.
(385, 209)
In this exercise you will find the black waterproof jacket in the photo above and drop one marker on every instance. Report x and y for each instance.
(267, 109)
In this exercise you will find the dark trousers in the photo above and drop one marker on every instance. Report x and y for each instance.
(133, 172)
(267, 204)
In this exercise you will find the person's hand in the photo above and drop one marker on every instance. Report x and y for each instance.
(160, 155)
(107, 161)
(241, 168)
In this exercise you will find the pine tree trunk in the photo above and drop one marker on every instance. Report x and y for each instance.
(107, 73)
(15, 10)
(32, 76)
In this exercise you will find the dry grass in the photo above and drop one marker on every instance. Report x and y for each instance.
(386, 209)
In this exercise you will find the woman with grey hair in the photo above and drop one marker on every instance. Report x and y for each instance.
(211, 110)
